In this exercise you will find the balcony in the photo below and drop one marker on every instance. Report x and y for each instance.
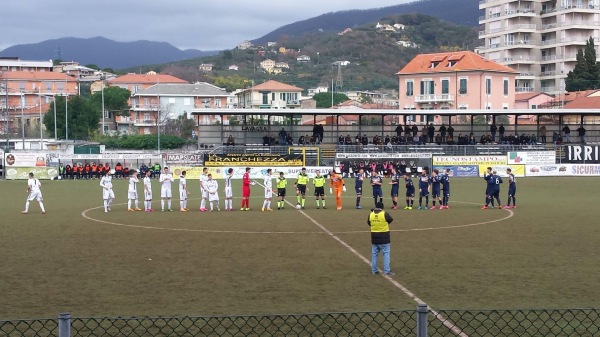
(524, 89)
(144, 122)
(145, 107)
(434, 98)
(548, 89)
(548, 73)
(549, 57)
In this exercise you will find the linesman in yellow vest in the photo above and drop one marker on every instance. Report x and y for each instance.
(380, 220)
(319, 182)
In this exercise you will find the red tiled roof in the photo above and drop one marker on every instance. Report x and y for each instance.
(146, 78)
(464, 61)
(37, 76)
(570, 96)
(591, 102)
(526, 96)
(275, 86)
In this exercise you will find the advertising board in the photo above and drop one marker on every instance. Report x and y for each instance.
(532, 158)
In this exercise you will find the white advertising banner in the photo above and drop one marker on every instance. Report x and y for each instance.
(382, 155)
(255, 172)
(566, 170)
(532, 157)
(24, 159)
(109, 156)
(469, 160)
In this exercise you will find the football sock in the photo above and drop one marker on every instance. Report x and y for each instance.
(515, 201)
(106, 204)
(303, 200)
(407, 202)
(412, 202)
(42, 207)
(169, 203)
(162, 204)
(137, 204)
(323, 202)
(395, 203)
(357, 201)
(129, 204)
(203, 203)
(426, 201)
(269, 204)
(420, 201)
(318, 202)
(298, 197)
(181, 204)
(433, 201)
(27, 206)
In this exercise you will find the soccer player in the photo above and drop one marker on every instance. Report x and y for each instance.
(132, 192)
(183, 192)
(34, 192)
(445, 180)
(410, 191)
(395, 186)
(512, 189)
(148, 192)
(246, 190)
(212, 186)
(337, 182)
(281, 189)
(358, 182)
(497, 181)
(435, 188)
(424, 182)
(493, 188)
(319, 182)
(268, 184)
(300, 185)
(376, 182)
(228, 190)
(107, 192)
(203, 189)
(165, 179)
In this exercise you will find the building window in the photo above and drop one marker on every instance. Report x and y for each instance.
(505, 87)
(463, 86)
(427, 87)
(488, 86)
(410, 88)
(445, 87)
(187, 101)
(48, 86)
(265, 98)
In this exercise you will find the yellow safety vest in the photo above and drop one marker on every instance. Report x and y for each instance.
(319, 181)
(378, 223)
(302, 179)
(281, 183)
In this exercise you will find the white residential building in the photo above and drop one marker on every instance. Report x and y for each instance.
(538, 38)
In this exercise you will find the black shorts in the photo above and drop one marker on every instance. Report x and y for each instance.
(281, 192)
(301, 189)
(319, 191)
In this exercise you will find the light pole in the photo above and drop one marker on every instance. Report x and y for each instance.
(55, 135)
(22, 120)
(41, 131)
(67, 117)
(158, 123)
(102, 77)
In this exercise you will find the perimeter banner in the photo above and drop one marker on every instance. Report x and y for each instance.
(253, 159)
(583, 154)
(469, 160)
(39, 172)
(383, 155)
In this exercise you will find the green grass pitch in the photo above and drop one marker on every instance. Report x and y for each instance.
(78, 259)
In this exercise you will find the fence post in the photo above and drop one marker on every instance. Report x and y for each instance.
(422, 311)
(64, 325)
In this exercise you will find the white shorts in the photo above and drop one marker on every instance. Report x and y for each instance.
(228, 193)
(147, 195)
(108, 194)
(213, 197)
(183, 195)
(268, 193)
(165, 193)
(35, 195)
(205, 194)
(132, 195)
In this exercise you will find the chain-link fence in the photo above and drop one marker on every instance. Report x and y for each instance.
(421, 323)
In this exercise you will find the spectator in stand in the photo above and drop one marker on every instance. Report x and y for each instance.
(301, 140)
(399, 131)
(438, 139)
(493, 129)
(348, 140)
(266, 140)
(533, 139)
(282, 136)
(424, 131)
(449, 140)
(567, 131)
(543, 134)
(315, 131)
(416, 140)
(387, 140)
(451, 131)
(365, 140)
(415, 131)
(501, 133)
(341, 140)
(555, 138)
(443, 131)
(430, 132)
(230, 141)
(471, 140)
(581, 133)
(482, 140)
(289, 140)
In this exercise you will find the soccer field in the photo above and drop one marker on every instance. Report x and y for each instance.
(78, 259)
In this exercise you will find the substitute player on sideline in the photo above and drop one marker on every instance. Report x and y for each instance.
(107, 192)
(34, 192)
(148, 192)
(300, 184)
(228, 190)
(512, 189)
(246, 190)
(268, 184)
(319, 182)
(337, 182)
(165, 179)
(183, 192)
(281, 190)
(132, 193)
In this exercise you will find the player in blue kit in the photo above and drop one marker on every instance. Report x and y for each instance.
(512, 189)
(435, 188)
(424, 182)
(410, 191)
(492, 190)
(395, 187)
(376, 182)
(445, 180)
(358, 183)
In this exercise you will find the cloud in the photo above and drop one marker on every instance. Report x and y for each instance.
(206, 25)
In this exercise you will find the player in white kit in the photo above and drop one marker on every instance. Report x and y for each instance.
(107, 192)
(268, 183)
(165, 179)
(183, 193)
(228, 190)
(34, 192)
(212, 186)
(132, 193)
(203, 189)
(148, 192)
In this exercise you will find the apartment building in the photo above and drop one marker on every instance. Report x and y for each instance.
(538, 38)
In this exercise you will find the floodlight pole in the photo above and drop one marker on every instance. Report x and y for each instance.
(55, 130)
(22, 120)
(102, 79)
(41, 130)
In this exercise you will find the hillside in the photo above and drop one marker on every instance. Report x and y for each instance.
(102, 52)
(374, 55)
(462, 12)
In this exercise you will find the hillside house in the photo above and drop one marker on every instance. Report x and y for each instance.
(270, 95)
(206, 67)
(267, 65)
(245, 45)
(303, 58)
(233, 67)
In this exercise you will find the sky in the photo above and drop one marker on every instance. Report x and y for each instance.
(198, 24)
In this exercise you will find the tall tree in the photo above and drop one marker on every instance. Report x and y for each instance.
(586, 74)
(324, 99)
(75, 116)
